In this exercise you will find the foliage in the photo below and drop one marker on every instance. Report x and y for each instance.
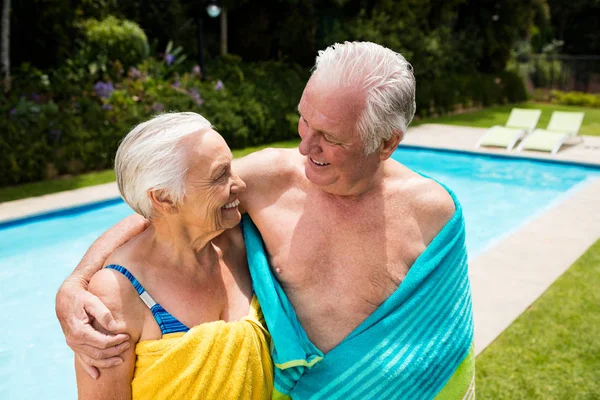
(43, 32)
(576, 23)
(114, 39)
(419, 30)
(99, 177)
(27, 127)
(68, 122)
(569, 98)
(466, 91)
(493, 28)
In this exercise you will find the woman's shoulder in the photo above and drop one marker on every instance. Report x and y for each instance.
(117, 292)
(114, 289)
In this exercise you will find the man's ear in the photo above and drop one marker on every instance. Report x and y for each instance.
(390, 145)
(161, 201)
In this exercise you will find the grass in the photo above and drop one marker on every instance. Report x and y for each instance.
(552, 351)
(498, 115)
(56, 185)
(482, 118)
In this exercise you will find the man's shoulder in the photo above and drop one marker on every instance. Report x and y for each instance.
(431, 203)
(274, 159)
(269, 166)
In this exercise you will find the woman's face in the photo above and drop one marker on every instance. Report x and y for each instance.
(211, 201)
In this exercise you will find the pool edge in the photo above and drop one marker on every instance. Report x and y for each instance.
(58, 212)
(502, 156)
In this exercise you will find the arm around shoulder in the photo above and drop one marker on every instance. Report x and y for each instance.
(117, 293)
(263, 171)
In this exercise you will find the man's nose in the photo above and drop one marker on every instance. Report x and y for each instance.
(238, 184)
(309, 140)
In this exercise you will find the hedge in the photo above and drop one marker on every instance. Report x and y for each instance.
(70, 125)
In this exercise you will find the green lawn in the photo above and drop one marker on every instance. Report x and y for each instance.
(499, 114)
(552, 351)
(483, 118)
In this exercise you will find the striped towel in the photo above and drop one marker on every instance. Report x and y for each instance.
(417, 345)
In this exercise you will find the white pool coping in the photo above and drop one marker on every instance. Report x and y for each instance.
(506, 278)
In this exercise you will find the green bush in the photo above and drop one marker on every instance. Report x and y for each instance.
(446, 95)
(115, 39)
(67, 121)
(27, 127)
(575, 98)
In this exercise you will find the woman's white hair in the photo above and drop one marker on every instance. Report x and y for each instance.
(385, 76)
(149, 158)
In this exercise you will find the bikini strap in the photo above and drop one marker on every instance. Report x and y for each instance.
(166, 322)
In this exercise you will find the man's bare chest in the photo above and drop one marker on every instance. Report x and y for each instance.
(309, 248)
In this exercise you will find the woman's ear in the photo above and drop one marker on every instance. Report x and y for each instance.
(389, 146)
(161, 201)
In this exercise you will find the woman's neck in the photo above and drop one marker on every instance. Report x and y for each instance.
(180, 247)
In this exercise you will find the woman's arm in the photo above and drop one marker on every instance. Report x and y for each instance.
(121, 299)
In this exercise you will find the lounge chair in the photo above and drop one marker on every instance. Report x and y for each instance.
(562, 127)
(520, 123)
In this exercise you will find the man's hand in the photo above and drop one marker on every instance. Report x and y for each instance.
(76, 310)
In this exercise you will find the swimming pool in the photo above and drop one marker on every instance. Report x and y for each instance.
(498, 195)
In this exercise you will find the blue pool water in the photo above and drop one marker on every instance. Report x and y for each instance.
(498, 195)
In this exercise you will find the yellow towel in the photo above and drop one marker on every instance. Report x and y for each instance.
(215, 360)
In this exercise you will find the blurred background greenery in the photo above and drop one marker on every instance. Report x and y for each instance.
(78, 74)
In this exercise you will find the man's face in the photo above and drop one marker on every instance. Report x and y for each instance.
(334, 151)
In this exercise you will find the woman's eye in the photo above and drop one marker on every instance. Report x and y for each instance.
(221, 176)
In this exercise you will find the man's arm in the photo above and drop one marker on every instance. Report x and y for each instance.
(119, 296)
(77, 309)
(263, 172)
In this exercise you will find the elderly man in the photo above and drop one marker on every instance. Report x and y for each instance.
(361, 271)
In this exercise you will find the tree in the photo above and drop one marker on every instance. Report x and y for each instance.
(576, 23)
(5, 62)
(493, 27)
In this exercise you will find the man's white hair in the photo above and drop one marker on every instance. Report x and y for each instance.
(385, 76)
(149, 158)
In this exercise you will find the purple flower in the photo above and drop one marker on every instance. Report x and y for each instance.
(104, 89)
(169, 58)
(196, 70)
(219, 85)
(176, 84)
(158, 107)
(134, 73)
(12, 112)
(107, 107)
(35, 97)
(195, 95)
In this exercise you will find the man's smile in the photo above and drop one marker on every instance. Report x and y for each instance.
(319, 163)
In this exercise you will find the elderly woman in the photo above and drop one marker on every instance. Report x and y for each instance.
(182, 286)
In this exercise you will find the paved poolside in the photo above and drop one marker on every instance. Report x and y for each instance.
(508, 276)
(518, 268)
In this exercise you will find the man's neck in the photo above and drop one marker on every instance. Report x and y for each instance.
(356, 191)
